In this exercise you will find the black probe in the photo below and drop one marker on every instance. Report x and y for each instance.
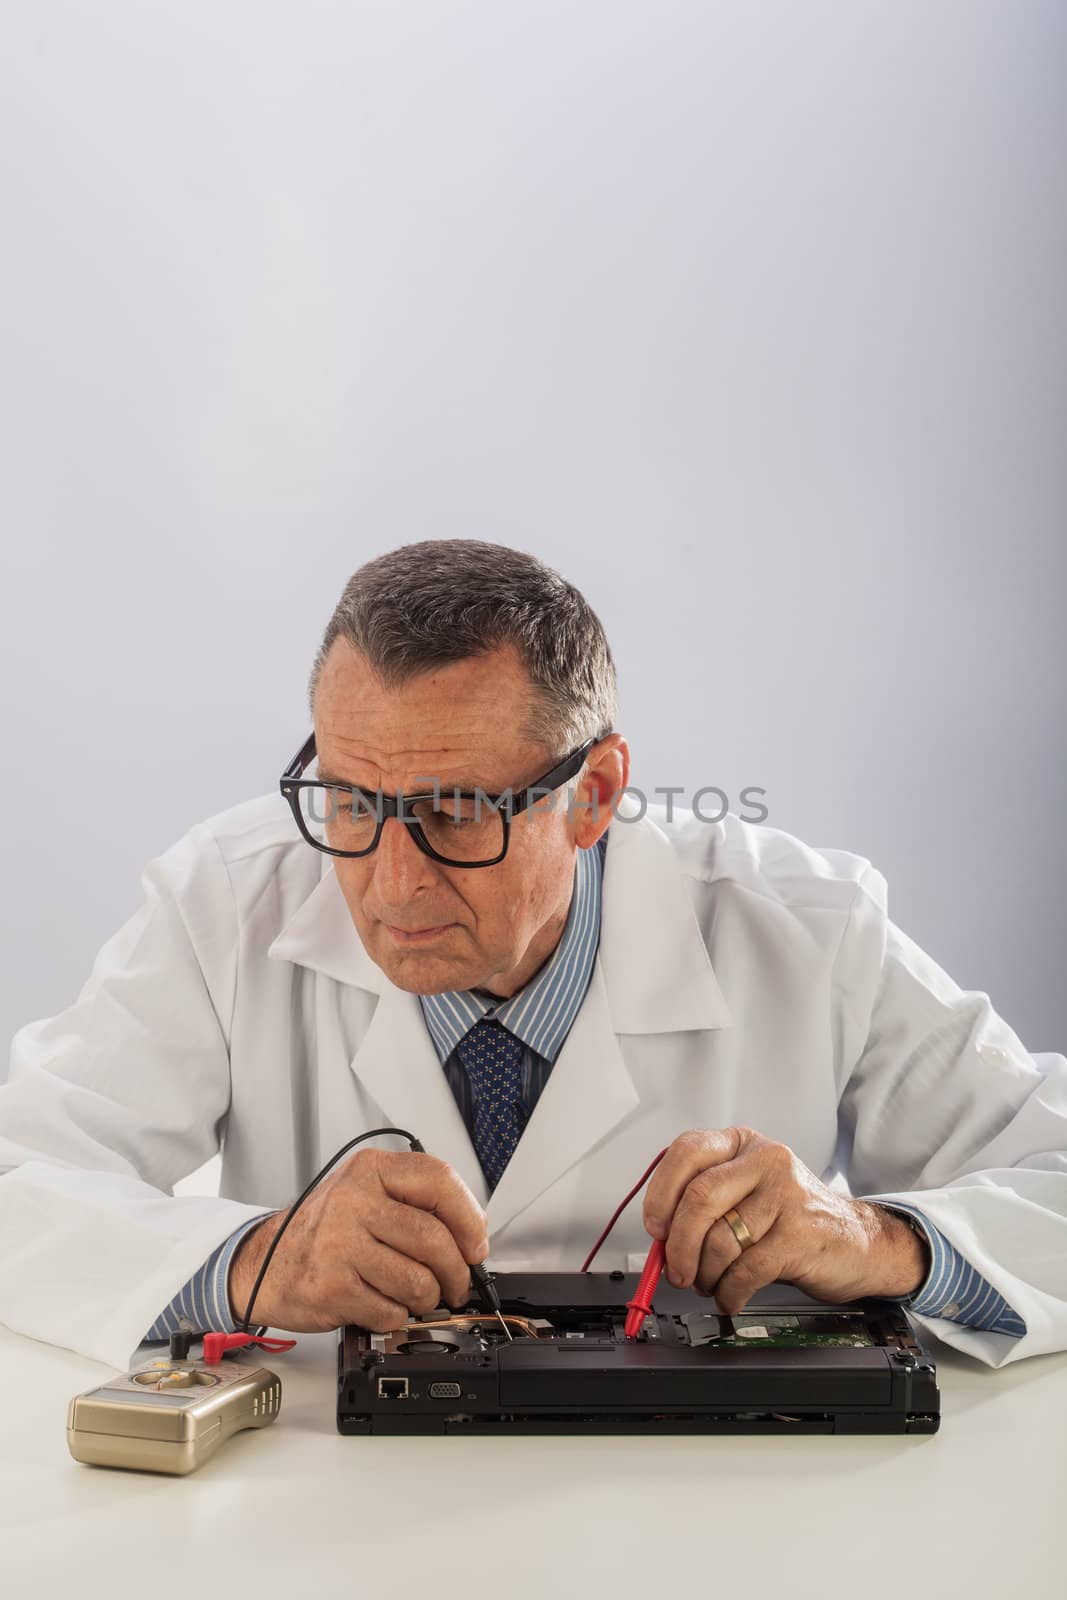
(486, 1289)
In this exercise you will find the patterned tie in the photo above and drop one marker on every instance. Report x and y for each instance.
(492, 1057)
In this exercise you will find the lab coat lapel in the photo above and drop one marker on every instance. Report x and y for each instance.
(652, 974)
(588, 1091)
(399, 1067)
(395, 1060)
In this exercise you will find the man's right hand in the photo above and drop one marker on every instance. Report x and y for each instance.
(389, 1233)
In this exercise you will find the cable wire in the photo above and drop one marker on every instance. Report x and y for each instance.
(649, 1170)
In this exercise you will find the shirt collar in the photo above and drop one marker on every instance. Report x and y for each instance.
(541, 1013)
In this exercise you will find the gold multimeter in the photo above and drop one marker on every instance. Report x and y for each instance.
(170, 1416)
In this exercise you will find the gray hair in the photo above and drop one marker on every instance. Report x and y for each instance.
(429, 604)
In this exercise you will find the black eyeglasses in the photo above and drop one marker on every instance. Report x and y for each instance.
(457, 827)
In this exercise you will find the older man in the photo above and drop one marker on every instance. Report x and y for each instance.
(454, 921)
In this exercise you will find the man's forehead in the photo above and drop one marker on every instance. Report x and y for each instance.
(458, 723)
(460, 763)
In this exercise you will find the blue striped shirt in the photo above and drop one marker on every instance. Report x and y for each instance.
(953, 1288)
(541, 1014)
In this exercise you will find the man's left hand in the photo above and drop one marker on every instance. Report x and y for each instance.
(830, 1245)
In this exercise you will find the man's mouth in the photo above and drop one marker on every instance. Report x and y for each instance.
(418, 935)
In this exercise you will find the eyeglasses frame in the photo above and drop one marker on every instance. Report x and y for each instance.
(290, 783)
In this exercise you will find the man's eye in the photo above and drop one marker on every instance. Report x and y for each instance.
(342, 803)
(454, 816)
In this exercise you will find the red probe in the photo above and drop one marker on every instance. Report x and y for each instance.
(639, 1307)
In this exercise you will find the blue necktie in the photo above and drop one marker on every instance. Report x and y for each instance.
(492, 1057)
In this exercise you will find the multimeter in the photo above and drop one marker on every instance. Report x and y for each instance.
(170, 1416)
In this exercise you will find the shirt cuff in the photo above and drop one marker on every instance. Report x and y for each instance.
(202, 1305)
(953, 1289)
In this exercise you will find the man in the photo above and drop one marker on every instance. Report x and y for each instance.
(546, 989)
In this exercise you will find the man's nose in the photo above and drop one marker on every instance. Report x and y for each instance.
(401, 869)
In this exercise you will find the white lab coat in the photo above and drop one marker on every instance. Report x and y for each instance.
(742, 977)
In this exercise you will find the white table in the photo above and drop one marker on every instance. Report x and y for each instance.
(296, 1510)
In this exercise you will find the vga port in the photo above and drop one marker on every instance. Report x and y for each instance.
(445, 1391)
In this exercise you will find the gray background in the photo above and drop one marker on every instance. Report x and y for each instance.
(749, 318)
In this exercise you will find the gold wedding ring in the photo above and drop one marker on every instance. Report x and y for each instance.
(741, 1233)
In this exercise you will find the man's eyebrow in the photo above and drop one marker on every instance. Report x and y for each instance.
(332, 777)
(469, 785)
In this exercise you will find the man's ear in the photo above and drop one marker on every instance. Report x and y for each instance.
(607, 771)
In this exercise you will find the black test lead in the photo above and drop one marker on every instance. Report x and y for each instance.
(489, 1297)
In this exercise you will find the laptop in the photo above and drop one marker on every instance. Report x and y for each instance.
(786, 1364)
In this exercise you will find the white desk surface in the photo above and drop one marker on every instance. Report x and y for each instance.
(977, 1509)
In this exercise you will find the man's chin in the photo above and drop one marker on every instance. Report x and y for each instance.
(423, 971)
(413, 985)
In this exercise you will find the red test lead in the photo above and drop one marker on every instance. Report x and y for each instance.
(639, 1307)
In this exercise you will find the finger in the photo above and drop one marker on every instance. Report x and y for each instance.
(432, 1185)
(401, 1279)
(424, 1238)
(756, 1266)
(759, 1211)
(707, 1199)
(719, 1251)
(689, 1154)
(360, 1303)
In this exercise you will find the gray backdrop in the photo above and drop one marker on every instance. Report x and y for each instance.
(750, 319)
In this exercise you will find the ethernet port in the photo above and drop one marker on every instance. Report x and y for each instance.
(392, 1388)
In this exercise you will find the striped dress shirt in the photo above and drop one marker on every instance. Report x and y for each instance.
(541, 1014)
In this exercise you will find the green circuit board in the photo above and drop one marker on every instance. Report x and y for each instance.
(783, 1330)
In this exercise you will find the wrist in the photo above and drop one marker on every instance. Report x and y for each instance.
(244, 1269)
(901, 1258)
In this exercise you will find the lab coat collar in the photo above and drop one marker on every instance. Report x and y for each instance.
(652, 974)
